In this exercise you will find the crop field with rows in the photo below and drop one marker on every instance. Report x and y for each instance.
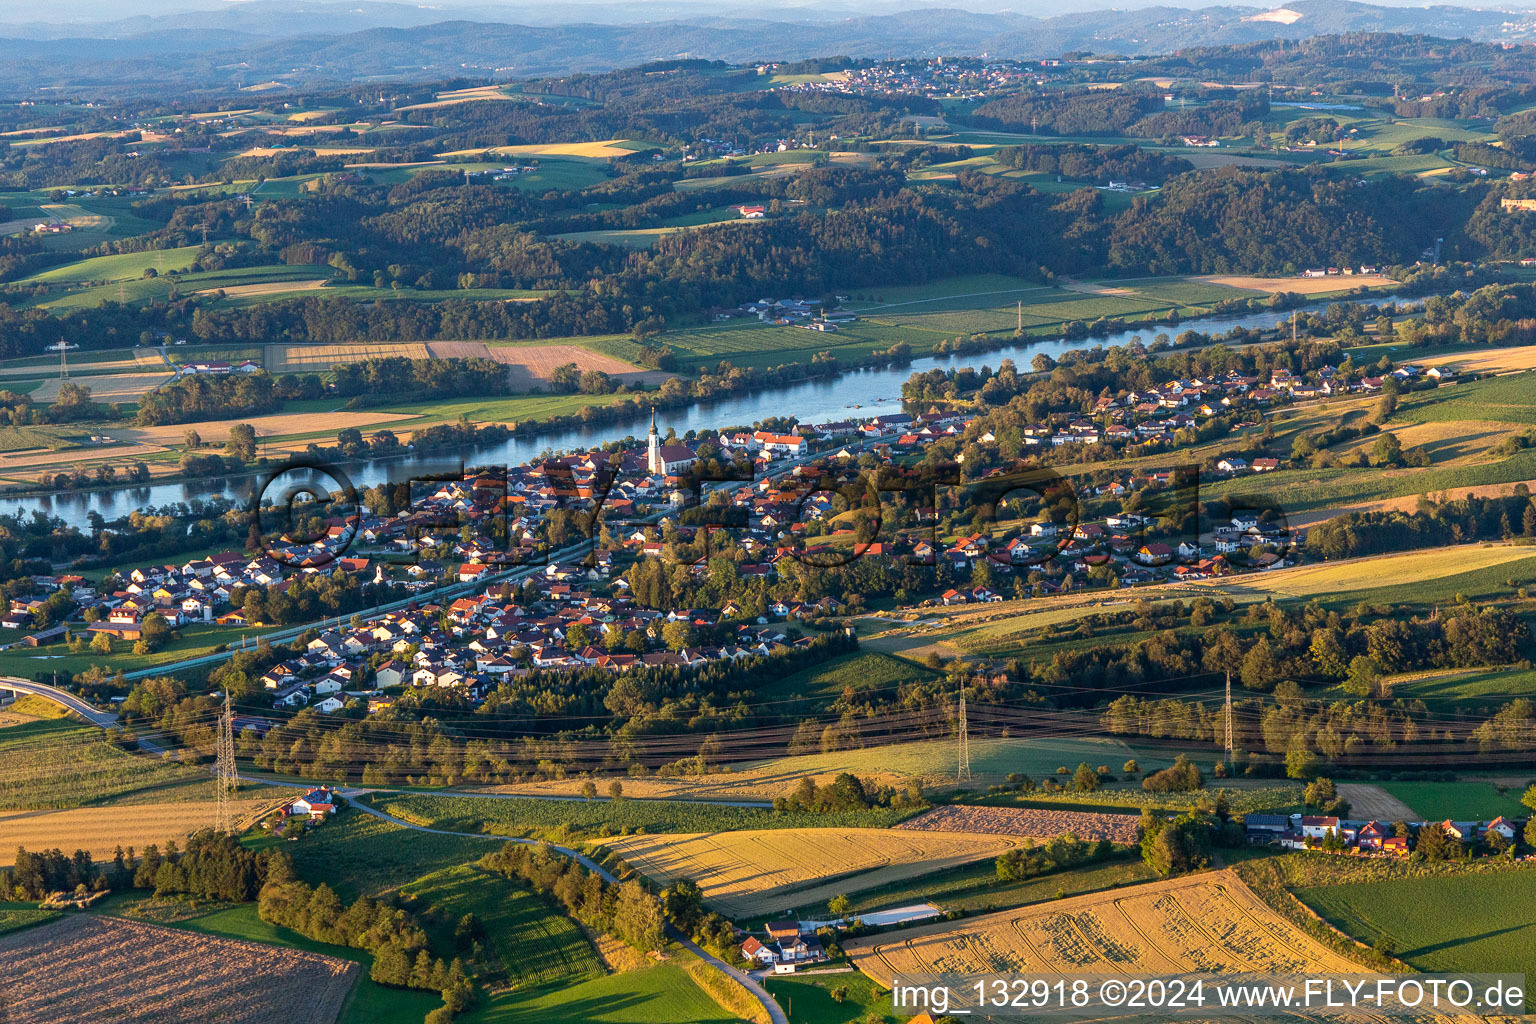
(762, 872)
(1207, 922)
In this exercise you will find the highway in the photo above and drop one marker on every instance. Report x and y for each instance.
(92, 714)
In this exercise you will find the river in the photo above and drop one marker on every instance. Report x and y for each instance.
(854, 394)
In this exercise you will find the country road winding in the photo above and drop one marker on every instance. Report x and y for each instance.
(775, 1012)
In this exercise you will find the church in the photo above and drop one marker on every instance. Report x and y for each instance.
(666, 459)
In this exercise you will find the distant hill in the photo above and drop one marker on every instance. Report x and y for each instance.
(299, 43)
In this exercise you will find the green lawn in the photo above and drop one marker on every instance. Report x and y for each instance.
(124, 267)
(1458, 801)
(536, 943)
(29, 662)
(369, 1003)
(1478, 922)
(660, 994)
(812, 1001)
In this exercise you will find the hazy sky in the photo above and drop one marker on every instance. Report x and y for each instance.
(64, 12)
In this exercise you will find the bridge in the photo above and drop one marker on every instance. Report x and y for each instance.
(63, 698)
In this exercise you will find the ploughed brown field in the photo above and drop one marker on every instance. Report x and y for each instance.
(86, 969)
(1032, 822)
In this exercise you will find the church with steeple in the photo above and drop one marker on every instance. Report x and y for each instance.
(666, 459)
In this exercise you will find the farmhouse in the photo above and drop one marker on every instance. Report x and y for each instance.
(317, 803)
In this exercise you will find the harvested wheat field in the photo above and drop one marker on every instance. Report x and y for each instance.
(111, 387)
(762, 872)
(241, 291)
(531, 366)
(1407, 502)
(1032, 822)
(1299, 285)
(1494, 360)
(598, 150)
(99, 830)
(304, 358)
(276, 425)
(84, 969)
(1209, 922)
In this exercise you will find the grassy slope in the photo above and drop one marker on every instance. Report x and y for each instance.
(59, 763)
(369, 1003)
(537, 944)
(574, 818)
(1456, 923)
(358, 853)
(661, 994)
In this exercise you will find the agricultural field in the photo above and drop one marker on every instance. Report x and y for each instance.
(536, 943)
(1205, 922)
(99, 830)
(531, 366)
(1464, 685)
(572, 820)
(1468, 922)
(16, 916)
(20, 439)
(753, 873)
(592, 150)
(117, 387)
(320, 358)
(657, 994)
(368, 1003)
(1457, 801)
(358, 854)
(1029, 822)
(1365, 574)
(861, 671)
(933, 761)
(975, 888)
(1507, 399)
(812, 1001)
(59, 763)
(124, 267)
(86, 968)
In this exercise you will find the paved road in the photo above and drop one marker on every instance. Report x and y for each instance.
(94, 715)
(775, 1012)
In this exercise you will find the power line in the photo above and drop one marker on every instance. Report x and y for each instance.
(963, 766)
(229, 779)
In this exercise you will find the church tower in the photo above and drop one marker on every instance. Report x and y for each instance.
(653, 461)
